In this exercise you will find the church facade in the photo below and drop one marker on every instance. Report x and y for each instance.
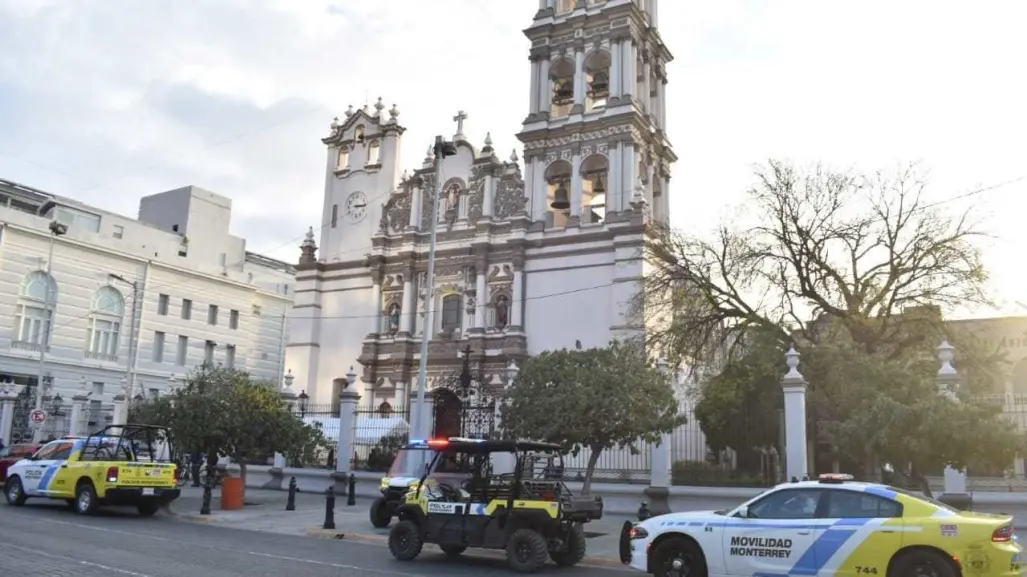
(536, 250)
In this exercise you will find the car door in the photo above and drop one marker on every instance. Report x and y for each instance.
(54, 483)
(863, 533)
(35, 469)
(776, 534)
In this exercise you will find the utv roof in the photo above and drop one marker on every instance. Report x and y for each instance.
(482, 446)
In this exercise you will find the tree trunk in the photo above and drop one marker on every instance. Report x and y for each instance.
(590, 469)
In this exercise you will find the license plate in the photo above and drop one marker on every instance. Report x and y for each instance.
(147, 491)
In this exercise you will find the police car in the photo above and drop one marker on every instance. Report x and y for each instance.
(832, 526)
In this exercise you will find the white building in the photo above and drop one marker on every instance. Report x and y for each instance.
(201, 296)
(519, 271)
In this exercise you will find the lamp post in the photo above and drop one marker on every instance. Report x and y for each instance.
(351, 377)
(304, 397)
(288, 379)
(133, 343)
(56, 229)
(442, 149)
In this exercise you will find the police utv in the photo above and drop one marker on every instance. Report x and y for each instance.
(528, 512)
(409, 462)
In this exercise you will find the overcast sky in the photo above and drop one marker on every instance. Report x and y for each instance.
(109, 100)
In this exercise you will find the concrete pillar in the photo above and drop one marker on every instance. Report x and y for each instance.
(8, 395)
(955, 493)
(794, 386)
(79, 418)
(579, 82)
(481, 305)
(517, 307)
(660, 463)
(533, 99)
(348, 401)
(629, 166)
(415, 208)
(376, 298)
(120, 412)
(615, 68)
(407, 320)
(577, 186)
(645, 99)
(490, 195)
(545, 92)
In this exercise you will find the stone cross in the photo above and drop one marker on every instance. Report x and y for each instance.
(459, 119)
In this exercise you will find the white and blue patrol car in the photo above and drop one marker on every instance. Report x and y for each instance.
(830, 527)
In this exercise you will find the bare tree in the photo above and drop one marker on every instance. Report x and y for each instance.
(850, 250)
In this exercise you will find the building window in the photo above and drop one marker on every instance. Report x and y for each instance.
(450, 313)
(374, 151)
(105, 323)
(212, 315)
(233, 319)
(119, 231)
(187, 309)
(163, 301)
(77, 219)
(343, 161)
(158, 347)
(183, 351)
(208, 352)
(33, 315)
(154, 393)
(230, 356)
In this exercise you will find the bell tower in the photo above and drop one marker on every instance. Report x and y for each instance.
(595, 148)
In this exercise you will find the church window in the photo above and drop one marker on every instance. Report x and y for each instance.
(358, 134)
(561, 78)
(343, 161)
(335, 215)
(595, 179)
(597, 79)
(450, 313)
(501, 312)
(374, 153)
(393, 317)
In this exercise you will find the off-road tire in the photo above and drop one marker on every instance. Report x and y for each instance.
(574, 550)
(148, 508)
(15, 492)
(379, 513)
(909, 563)
(680, 548)
(453, 550)
(405, 541)
(86, 501)
(527, 551)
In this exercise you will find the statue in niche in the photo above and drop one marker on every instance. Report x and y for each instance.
(453, 197)
(393, 316)
(502, 312)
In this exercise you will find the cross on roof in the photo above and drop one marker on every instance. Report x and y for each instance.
(459, 119)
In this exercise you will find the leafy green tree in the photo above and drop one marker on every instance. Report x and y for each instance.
(221, 411)
(594, 399)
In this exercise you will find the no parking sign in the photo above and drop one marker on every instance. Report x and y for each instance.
(37, 418)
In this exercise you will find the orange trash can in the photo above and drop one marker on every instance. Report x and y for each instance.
(232, 491)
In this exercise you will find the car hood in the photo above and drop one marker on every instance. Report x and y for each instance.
(684, 516)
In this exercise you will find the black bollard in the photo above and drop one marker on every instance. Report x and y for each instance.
(351, 491)
(205, 506)
(290, 504)
(644, 512)
(329, 509)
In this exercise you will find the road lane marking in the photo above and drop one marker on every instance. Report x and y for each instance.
(76, 561)
(220, 549)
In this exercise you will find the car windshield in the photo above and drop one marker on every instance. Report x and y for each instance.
(406, 459)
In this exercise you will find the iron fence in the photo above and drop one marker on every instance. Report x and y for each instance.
(379, 432)
(631, 465)
(325, 418)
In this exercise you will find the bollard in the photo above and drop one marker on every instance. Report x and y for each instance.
(207, 486)
(290, 503)
(351, 491)
(329, 508)
(644, 512)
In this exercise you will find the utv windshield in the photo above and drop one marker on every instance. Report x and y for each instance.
(409, 460)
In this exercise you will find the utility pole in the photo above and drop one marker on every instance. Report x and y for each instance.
(136, 329)
(56, 229)
(442, 149)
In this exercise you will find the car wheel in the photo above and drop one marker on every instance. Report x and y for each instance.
(14, 492)
(453, 550)
(574, 550)
(85, 499)
(148, 508)
(379, 513)
(526, 551)
(405, 541)
(923, 564)
(678, 557)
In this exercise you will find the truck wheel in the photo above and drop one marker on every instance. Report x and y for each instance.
(926, 563)
(575, 550)
(405, 541)
(148, 508)
(526, 551)
(453, 550)
(85, 499)
(15, 492)
(678, 557)
(379, 513)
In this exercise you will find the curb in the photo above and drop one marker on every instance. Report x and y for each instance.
(374, 539)
(173, 512)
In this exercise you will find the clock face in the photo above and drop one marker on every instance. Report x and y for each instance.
(356, 207)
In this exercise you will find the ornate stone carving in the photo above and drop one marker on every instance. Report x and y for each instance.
(509, 200)
(396, 213)
(500, 272)
(601, 134)
(476, 190)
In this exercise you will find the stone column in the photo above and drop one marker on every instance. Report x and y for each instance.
(627, 174)
(539, 189)
(376, 299)
(794, 386)
(79, 418)
(661, 105)
(658, 490)
(544, 91)
(482, 299)
(613, 179)
(348, 401)
(517, 307)
(489, 199)
(8, 395)
(646, 99)
(955, 493)
(577, 185)
(416, 200)
(579, 81)
(616, 53)
(406, 325)
(533, 99)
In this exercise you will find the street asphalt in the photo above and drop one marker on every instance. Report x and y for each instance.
(46, 540)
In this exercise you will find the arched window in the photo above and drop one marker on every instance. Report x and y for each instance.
(358, 134)
(450, 313)
(374, 153)
(35, 308)
(105, 324)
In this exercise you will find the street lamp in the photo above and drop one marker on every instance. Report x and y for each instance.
(56, 229)
(133, 343)
(512, 370)
(443, 148)
(303, 397)
(351, 377)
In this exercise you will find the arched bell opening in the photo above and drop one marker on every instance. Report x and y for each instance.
(597, 79)
(558, 195)
(595, 180)
(561, 78)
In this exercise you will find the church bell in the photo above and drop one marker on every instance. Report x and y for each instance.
(600, 185)
(561, 200)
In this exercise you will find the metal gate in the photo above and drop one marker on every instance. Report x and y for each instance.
(464, 405)
(23, 405)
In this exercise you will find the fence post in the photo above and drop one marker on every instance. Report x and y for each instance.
(658, 490)
(8, 396)
(955, 493)
(79, 419)
(120, 416)
(794, 386)
(348, 401)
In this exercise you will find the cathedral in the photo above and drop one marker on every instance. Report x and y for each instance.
(535, 251)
